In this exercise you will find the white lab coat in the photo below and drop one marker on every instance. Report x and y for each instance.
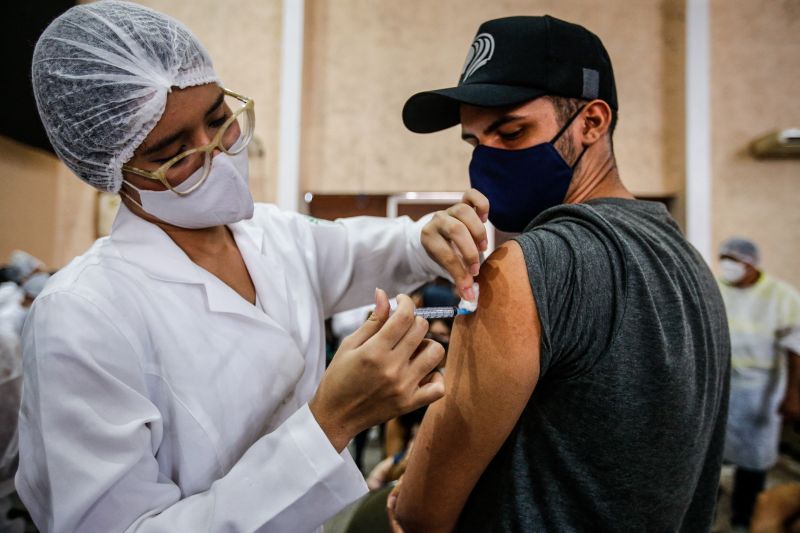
(155, 398)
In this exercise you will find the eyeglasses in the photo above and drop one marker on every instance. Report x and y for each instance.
(233, 136)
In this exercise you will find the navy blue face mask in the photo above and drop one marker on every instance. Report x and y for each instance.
(520, 184)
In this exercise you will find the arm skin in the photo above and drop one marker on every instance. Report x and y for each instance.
(492, 369)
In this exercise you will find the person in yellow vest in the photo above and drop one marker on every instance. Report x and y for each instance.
(764, 320)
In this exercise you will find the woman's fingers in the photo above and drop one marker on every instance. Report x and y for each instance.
(397, 326)
(373, 324)
(456, 237)
(477, 200)
(430, 391)
(444, 253)
(428, 356)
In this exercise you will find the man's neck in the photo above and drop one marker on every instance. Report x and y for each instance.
(596, 177)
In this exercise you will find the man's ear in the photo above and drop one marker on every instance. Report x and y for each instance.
(596, 121)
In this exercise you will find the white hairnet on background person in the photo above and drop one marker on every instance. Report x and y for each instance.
(34, 285)
(22, 265)
(101, 74)
(742, 249)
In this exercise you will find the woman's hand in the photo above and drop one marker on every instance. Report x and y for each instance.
(384, 369)
(455, 238)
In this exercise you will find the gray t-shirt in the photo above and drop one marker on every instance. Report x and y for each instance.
(625, 429)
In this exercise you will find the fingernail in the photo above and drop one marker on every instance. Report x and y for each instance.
(469, 294)
(484, 244)
(484, 218)
(475, 269)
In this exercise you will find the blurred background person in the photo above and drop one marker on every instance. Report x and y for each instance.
(21, 280)
(22, 265)
(10, 391)
(12, 312)
(764, 318)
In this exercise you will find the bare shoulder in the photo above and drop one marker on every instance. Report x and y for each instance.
(501, 339)
(506, 299)
(491, 371)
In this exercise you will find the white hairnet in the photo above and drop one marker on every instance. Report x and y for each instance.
(101, 73)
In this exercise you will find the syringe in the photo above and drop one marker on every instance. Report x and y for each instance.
(464, 307)
(429, 313)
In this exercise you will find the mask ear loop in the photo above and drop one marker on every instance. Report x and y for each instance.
(579, 157)
(129, 197)
(564, 128)
(568, 124)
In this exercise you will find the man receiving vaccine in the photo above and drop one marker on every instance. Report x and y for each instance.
(589, 390)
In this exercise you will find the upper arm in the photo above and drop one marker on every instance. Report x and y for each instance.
(492, 369)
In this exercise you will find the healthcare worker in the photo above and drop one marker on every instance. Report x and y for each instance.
(174, 373)
(764, 319)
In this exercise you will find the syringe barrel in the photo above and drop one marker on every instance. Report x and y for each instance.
(429, 313)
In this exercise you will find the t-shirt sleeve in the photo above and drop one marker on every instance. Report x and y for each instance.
(574, 272)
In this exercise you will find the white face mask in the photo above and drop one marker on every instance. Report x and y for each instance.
(732, 271)
(224, 198)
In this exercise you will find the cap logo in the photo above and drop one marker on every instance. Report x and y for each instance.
(479, 54)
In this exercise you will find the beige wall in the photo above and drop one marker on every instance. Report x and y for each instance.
(44, 209)
(755, 73)
(364, 58)
(244, 41)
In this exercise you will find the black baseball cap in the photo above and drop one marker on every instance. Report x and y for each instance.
(516, 59)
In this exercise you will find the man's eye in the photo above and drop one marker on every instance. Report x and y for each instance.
(510, 136)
